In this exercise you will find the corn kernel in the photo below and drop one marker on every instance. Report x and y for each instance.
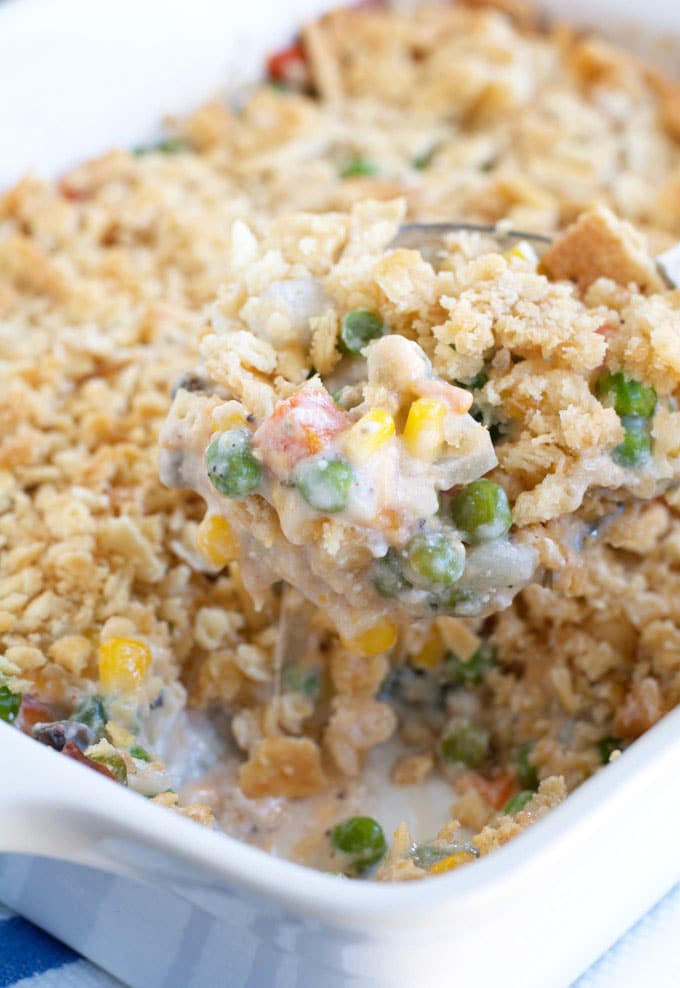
(119, 735)
(227, 416)
(123, 664)
(380, 638)
(448, 864)
(372, 431)
(216, 541)
(522, 251)
(431, 653)
(424, 429)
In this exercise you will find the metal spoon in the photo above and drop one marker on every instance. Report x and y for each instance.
(427, 238)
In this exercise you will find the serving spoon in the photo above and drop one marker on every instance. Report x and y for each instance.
(427, 238)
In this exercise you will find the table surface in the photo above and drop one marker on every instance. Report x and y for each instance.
(648, 954)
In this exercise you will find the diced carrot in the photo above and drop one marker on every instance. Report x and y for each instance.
(451, 863)
(34, 711)
(71, 750)
(71, 193)
(458, 400)
(300, 426)
(286, 65)
(496, 792)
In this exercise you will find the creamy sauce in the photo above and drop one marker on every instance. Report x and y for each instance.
(298, 828)
(343, 488)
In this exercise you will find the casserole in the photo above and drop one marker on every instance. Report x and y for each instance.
(409, 961)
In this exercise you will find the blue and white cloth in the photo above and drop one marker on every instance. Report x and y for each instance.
(648, 954)
(30, 958)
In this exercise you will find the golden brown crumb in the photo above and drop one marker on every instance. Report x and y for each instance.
(412, 770)
(599, 245)
(119, 736)
(458, 637)
(472, 810)
(325, 72)
(71, 652)
(640, 710)
(355, 725)
(168, 799)
(198, 812)
(281, 766)
(396, 866)
(551, 792)
(524, 15)
(639, 528)
(356, 674)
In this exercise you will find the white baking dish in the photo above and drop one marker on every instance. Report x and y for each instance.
(215, 912)
(158, 900)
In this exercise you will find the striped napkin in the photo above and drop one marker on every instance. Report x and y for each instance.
(30, 958)
(648, 954)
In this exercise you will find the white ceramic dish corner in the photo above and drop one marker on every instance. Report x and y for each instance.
(162, 902)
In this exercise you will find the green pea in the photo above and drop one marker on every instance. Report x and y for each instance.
(10, 704)
(388, 577)
(472, 672)
(324, 484)
(481, 511)
(115, 765)
(433, 561)
(462, 600)
(527, 776)
(625, 395)
(606, 747)
(91, 712)
(357, 167)
(424, 160)
(361, 837)
(637, 443)
(518, 802)
(302, 679)
(232, 468)
(140, 753)
(169, 145)
(477, 382)
(466, 742)
(358, 328)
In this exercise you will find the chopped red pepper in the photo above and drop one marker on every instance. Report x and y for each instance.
(287, 65)
(299, 426)
(72, 193)
(496, 792)
(34, 711)
(71, 750)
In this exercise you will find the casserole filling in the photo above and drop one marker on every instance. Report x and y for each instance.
(436, 581)
(430, 454)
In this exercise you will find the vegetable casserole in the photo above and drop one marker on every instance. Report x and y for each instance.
(439, 541)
